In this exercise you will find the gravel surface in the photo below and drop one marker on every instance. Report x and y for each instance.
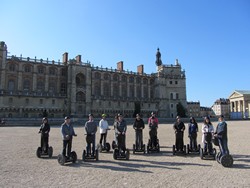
(19, 166)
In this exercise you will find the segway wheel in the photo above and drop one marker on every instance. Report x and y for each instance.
(185, 150)
(115, 153)
(201, 153)
(39, 152)
(84, 155)
(50, 151)
(217, 157)
(73, 156)
(107, 147)
(127, 154)
(61, 159)
(96, 155)
(227, 160)
(173, 149)
(133, 148)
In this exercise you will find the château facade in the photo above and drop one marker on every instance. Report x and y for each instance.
(36, 87)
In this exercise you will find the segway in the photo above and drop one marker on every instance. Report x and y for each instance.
(136, 147)
(41, 151)
(211, 154)
(105, 147)
(225, 160)
(118, 153)
(181, 151)
(66, 159)
(193, 150)
(153, 143)
(90, 156)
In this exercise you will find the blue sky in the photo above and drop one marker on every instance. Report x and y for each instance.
(210, 38)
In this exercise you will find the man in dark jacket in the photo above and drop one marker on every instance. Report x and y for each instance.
(138, 126)
(120, 132)
(67, 132)
(221, 134)
(44, 130)
(90, 128)
(179, 128)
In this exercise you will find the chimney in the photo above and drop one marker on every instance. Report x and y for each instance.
(78, 59)
(65, 58)
(140, 69)
(120, 66)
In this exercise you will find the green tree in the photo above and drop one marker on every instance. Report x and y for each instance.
(181, 111)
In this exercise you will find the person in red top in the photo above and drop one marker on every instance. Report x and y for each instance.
(153, 126)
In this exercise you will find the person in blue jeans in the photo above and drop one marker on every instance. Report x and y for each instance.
(90, 128)
(192, 133)
(221, 134)
(67, 132)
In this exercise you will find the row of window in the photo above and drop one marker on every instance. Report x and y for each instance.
(40, 69)
(124, 91)
(27, 101)
(27, 86)
(123, 78)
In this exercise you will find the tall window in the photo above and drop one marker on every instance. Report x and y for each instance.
(124, 91)
(41, 70)
(80, 80)
(145, 92)
(40, 85)
(26, 85)
(52, 71)
(138, 92)
(115, 77)
(27, 68)
(97, 89)
(131, 91)
(106, 89)
(63, 88)
(11, 85)
(12, 67)
(115, 90)
(52, 87)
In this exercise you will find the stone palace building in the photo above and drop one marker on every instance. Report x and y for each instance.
(37, 87)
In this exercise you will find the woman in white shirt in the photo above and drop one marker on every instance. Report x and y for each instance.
(104, 126)
(207, 134)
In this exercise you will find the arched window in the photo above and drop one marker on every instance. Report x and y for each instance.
(124, 78)
(145, 81)
(106, 76)
(116, 77)
(12, 67)
(97, 75)
(27, 68)
(41, 70)
(80, 80)
(131, 79)
(52, 71)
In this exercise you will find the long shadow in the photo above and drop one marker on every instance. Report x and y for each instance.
(241, 166)
(243, 158)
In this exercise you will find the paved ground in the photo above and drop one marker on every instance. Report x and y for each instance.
(19, 166)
